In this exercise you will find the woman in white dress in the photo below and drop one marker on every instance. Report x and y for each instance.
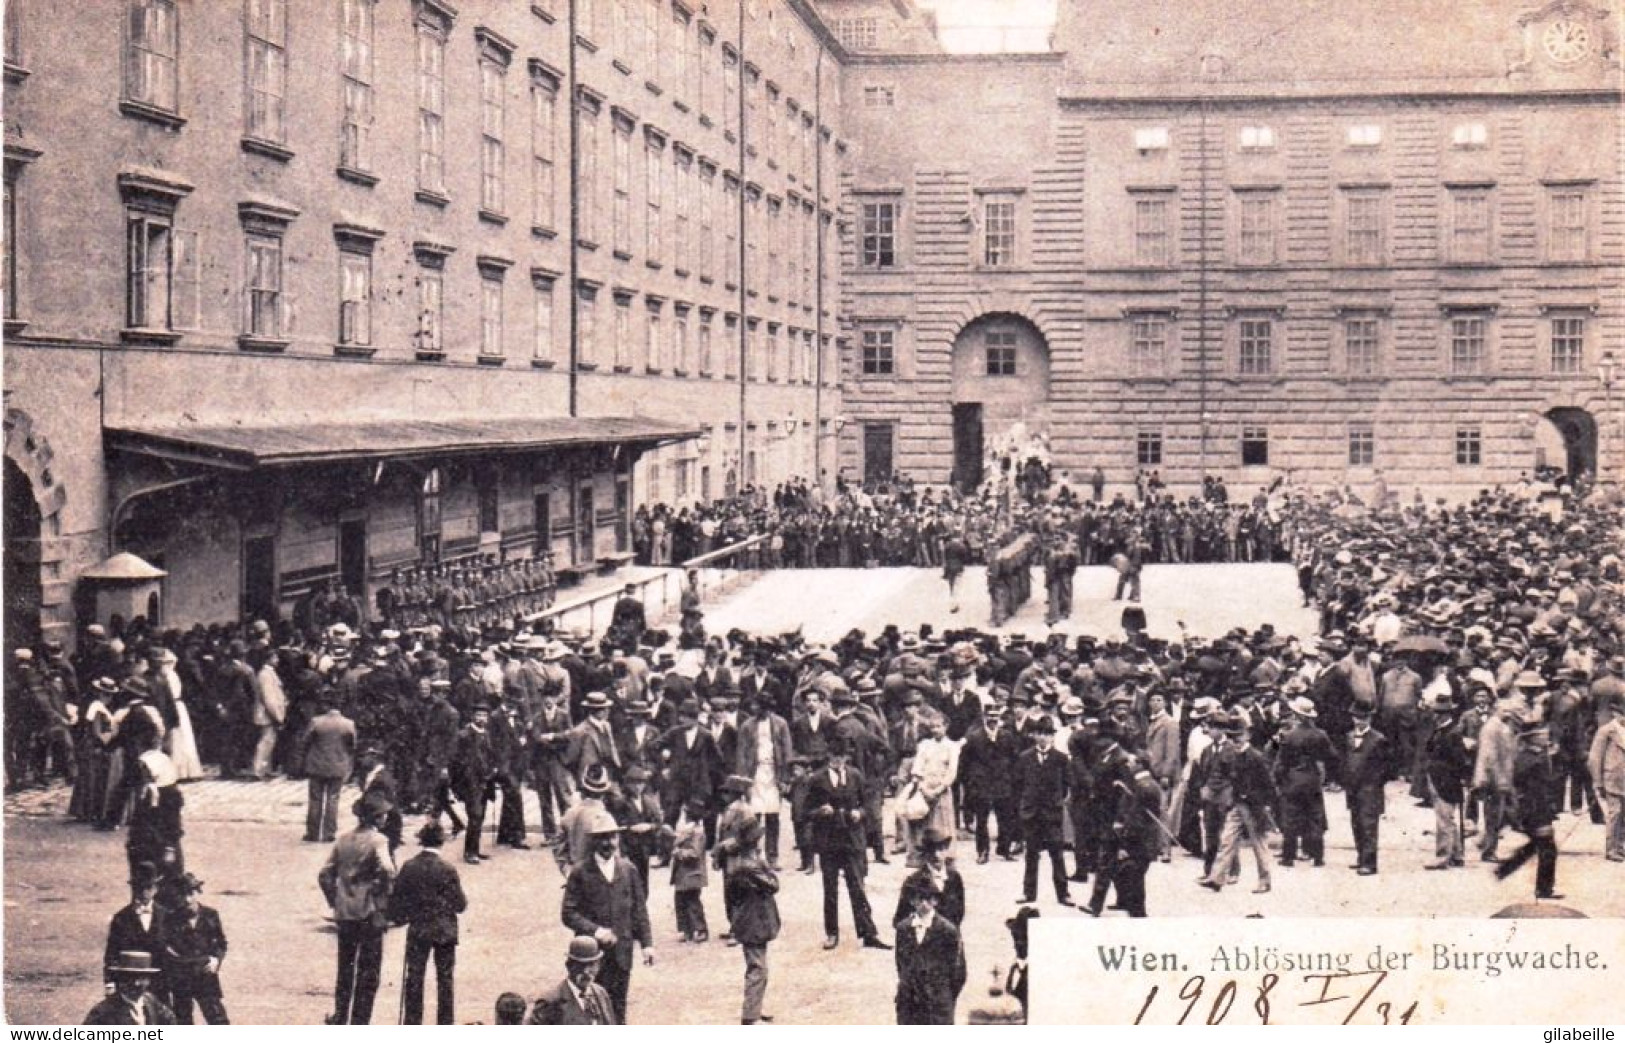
(181, 742)
(936, 764)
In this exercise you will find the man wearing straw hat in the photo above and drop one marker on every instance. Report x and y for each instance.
(131, 1003)
(605, 899)
(1303, 758)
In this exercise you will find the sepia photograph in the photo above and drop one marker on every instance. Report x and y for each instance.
(813, 512)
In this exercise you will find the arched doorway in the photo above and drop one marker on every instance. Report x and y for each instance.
(1566, 442)
(1001, 383)
(22, 566)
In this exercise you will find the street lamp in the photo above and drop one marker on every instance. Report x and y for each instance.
(1606, 368)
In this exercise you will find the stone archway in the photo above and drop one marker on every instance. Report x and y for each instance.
(1001, 387)
(1573, 434)
(40, 605)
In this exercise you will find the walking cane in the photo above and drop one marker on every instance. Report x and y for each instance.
(400, 1016)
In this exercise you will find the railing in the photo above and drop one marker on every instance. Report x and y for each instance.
(718, 572)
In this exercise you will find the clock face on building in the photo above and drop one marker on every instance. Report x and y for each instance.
(1567, 41)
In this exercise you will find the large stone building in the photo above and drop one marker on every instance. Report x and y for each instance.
(1335, 239)
(309, 289)
(298, 290)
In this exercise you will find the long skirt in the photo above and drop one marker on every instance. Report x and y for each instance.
(90, 785)
(181, 745)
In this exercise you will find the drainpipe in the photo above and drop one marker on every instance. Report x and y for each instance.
(744, 276)
(573, 268)
(818, 275)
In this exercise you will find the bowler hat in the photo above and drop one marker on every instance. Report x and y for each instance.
(134, 964)
(584, 949)
(595, 780)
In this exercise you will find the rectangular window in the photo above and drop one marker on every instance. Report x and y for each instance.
(491, 316)
(623, 333)
(543, 102)
(542, 319)
(488, 493)
(1362, 445)
(9, 239)
(264, 288)
(1468, 334)
(431, 301)
(999, 229)
(1148, 448)
(1360, 346)
(355, 298)
(152, 59)
(1255, 446)
(708, 188)
(590, 198)
(680, 360)
(654, 154)
(621, 217)
(1365, 135)
(267, 68)
(857, 34)
(879, 353)
(1151, 139)
(1364, 227)
(654, 347)
(707, 361)
(730, 91)
(877, 96)
(1255, 344)
(1470, 135)
(1001, 353)
(355, 136)
(1566, 224)
(493, 107)
(1257, 245)
(431, 108)
(1469, 446)
(1151, 236)
(151, 260)
(1148, 345)
(587, 327)
(1568, 344)
(730, 233)
(879, 245)
(1257, 138)
(1469, 224)
(682, 241)
(679, 54)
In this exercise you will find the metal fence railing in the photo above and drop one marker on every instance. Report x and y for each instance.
(718, 572)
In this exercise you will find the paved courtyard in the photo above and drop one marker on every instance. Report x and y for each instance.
(63, 881)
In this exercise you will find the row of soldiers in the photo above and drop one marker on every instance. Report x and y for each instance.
(472, 593)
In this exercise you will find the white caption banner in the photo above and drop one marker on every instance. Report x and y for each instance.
(1240, 972)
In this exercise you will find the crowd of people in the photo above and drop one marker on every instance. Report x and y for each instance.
(1477, 653)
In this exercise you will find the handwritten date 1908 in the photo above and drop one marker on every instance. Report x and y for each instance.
(1338, 992)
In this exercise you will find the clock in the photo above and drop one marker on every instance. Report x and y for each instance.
(1567, 41)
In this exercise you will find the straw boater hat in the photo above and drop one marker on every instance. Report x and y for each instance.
(133, 964)
(1304, 707)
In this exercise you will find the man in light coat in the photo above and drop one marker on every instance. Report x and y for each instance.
(1492, 772)
(356, 882)
(1606, 761)
(327, 750)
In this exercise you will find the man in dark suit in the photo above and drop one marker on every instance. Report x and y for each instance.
(578, 999)
(131, 1002)
(1366, 768)
(136, 928)
(627, 622)
(604, 899)
(835, 803)
(937, 872)
(472, 768)
(930, 963)
(428, 896)
(592, 742)
(327, 750)
(987, 766)
(193, 946)
(441, 723)
(1041, 793)
(809, 740)
(693, 769)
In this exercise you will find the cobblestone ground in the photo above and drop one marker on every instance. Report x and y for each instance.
(63, 881)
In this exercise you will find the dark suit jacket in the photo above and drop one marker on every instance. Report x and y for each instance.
(427, 897)
(185, 948)
(1367, 763)
(804, 738)
(591, 902)
(691, 773)
(589, 745)
(931, 975)
(1041, 789)
(645, 751)
(125, 934)
(114, 1011)
(835, 833)
(750, 890)
(473, 764)
(559, 1006)
(987, 766)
